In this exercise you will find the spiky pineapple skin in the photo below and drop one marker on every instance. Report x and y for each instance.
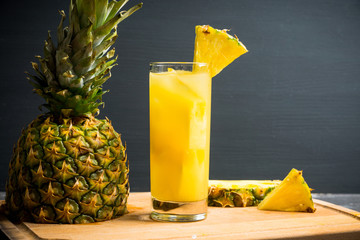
(70, 170)
(246, 195)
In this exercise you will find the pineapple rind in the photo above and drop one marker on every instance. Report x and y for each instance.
(239, 193)
(51, 189)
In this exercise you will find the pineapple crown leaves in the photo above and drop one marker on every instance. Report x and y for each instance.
(71, 74)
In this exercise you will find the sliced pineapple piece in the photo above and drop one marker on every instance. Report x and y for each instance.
(239, 193)
(217, 48)
(292, 195)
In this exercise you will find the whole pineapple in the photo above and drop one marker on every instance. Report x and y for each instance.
(68, 166)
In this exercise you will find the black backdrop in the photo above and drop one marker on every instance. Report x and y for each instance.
(292, 101)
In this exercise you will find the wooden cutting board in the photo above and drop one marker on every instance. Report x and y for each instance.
(328, 222)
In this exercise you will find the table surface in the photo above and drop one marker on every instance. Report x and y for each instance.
(329, 222)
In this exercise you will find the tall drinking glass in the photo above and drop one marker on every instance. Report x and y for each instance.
(180, 106)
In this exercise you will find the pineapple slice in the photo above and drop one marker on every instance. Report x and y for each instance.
(217, 48)
(292, 195)
(239, 193)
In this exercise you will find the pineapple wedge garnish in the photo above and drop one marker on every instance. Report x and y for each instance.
(292, 195)
(217, 48)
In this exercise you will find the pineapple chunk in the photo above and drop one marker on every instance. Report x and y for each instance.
(292, 195)
(198, 123)
(217, 48)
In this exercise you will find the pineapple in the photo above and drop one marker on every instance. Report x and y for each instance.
(292, 195)
(239, 193)
(68, 166)
(217, 48)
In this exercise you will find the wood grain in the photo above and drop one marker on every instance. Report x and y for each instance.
(328, 222)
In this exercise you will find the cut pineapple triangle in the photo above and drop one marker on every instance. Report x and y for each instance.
(292, 195)
(217, 48)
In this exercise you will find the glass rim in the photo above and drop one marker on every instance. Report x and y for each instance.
(201, 64)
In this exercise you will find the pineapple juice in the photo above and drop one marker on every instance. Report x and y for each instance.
(180, 105)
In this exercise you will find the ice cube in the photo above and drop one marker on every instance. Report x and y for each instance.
(198, 123)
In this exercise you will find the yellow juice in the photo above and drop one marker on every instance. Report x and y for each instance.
(180, 111)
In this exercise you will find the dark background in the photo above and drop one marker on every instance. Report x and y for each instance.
(292, 101)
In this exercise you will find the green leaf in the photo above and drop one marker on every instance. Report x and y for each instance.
(83, 60)
(101, 12)
(65, 44)
(64, 69)
(84, 65)
(100, 67)
(101, 32)
(87, 12)
(41, 82)
(101, 78)
(85, 52)
(102, 48)
(86, 88)
(35, 66)
(77, 83)
(50, 78)
(82, 38)
(49, 52)
(105, 64)
(114, 8)
(69, 79)
(74, 17)
(34, 84)
(60, 29)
